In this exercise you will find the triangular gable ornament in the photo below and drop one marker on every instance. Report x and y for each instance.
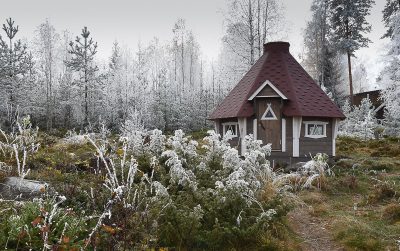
(269, 114)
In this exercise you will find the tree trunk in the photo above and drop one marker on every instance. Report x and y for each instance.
(86, 104)
(350, 78)
(183, 64)
(251, 33)
(258, 29)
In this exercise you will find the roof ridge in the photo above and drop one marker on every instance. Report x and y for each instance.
(293, 97)
(255, 83)
(253, 87)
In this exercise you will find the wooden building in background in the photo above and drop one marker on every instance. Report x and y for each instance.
(279, 103)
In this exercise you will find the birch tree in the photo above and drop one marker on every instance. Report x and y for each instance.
(46, 42)
(250, 24)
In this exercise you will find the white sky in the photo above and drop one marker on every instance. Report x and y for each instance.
(131, 21)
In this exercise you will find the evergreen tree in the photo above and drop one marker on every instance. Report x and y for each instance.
(15, 61)
(322, 60)
(390, 79)
(83, 51)
(360, 120)
(391, 7)
(349, 26)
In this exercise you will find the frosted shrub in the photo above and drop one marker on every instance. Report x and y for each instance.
(21, 142)
(183, 145)
(74, 138)
(177, 172)
(135, 190)
(360, 120)
(315, 170)
(159, 190)
(215, 146)
(157, 142)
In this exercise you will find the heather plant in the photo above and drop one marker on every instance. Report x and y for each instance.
(41, 224)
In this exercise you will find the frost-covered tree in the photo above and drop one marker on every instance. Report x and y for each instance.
(82, 61)
(390, 79)
(360, 78)
(349, 26)
(67, 90)
(360, 120)
(250, 24)
(391, 8)
(316, 41)
(46, 43)
(322, 60)
(15, 62)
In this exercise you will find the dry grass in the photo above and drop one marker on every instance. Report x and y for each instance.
(360, 204)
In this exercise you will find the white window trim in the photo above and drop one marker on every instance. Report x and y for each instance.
(243, 132)
(296, 121)
(269, 108)
(283, 135)
(236, 124)
(335, 126)
(306, 123)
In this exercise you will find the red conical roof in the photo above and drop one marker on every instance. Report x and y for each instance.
(305, 97)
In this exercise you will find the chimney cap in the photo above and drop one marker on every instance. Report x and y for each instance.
(276, 47)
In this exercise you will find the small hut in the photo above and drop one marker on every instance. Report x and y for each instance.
(279, 103)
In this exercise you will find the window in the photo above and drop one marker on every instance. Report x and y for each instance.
(315, 129)
(269, 114)
(231, 126)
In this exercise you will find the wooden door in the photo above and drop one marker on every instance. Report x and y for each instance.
(269, 128)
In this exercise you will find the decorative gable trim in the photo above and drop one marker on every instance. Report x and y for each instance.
(267, 82)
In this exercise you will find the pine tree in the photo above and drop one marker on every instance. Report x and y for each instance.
(15, 61)
(391, 7)
(83, 51)
(349, 26)
(115, 59)
(321, 58)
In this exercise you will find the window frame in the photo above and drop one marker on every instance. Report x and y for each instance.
(318, 123)
(236, 124)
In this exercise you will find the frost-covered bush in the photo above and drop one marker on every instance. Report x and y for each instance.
(360, 120)
(74, 138)
(315, 170)
(220, 201)
(157, 190)
(19, 143)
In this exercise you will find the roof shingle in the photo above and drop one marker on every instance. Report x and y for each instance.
(305, 97)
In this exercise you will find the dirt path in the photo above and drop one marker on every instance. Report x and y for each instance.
(312, 231)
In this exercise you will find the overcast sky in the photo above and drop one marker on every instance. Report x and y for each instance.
(131, 21)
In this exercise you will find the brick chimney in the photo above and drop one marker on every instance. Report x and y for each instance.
(277, 47)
